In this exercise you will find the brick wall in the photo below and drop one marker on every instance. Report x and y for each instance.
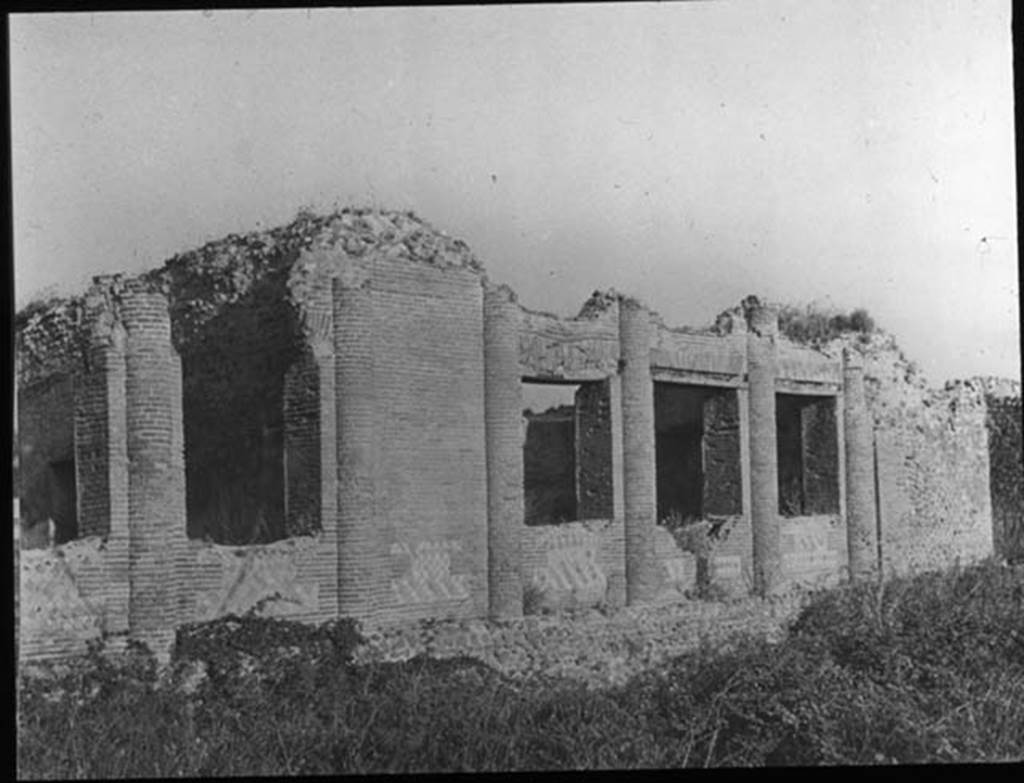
(1006, 474)
(593, 422)
(932, 471)
(362, 539)
(431, 483)
(61, 599)
(358, 390)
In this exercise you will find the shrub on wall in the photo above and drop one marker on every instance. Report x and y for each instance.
(814, 325)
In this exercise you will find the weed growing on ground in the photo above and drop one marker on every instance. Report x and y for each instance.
(924, 669)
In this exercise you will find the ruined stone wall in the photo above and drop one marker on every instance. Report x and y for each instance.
(1006, 466)
(350, 386)
(126, 575)
(588, 646)
(932, 472)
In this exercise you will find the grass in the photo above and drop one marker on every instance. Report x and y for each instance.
(923, 669)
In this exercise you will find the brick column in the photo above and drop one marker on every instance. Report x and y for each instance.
(156, 468)
(642, 574)
(861, 523)
(101, 453)
(763, 325)
(503, 411)
(616, 595)
(362, 558)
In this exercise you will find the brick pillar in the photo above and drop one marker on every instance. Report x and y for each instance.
(642, 574)
(311, 449)
(101, 454)
(156, 468)
(763, 323)
(503, 411)
(362, 557)
(861, 523)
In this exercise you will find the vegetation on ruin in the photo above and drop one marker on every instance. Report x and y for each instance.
(924, 669)
(815, 325)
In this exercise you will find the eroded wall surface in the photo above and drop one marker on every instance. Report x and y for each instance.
(933, 489)
(1006, 468)
(574, 565)
(292, 579)
(65, 599)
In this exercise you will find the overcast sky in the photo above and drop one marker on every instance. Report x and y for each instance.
(849, 153)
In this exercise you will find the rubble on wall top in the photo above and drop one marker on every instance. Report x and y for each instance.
(200, 281)
(228, 270)
(994, 386)
(48, 337)
(357, 231)
(598, 304)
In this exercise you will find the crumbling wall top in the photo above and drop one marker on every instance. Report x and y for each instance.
(53, 337)
(239, 268)
(1001, 388)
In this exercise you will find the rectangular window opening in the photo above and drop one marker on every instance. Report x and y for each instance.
(697, 452)
(567, 468)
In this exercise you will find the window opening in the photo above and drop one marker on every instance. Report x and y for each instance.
(808, 455)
